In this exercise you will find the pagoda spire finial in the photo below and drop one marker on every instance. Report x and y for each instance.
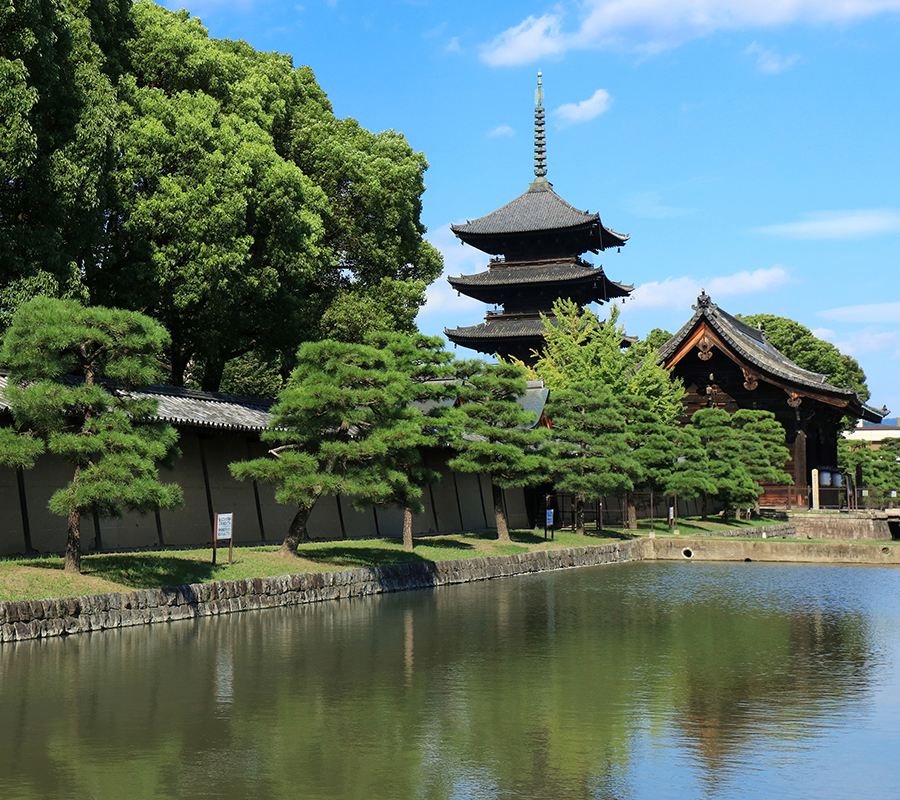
(540, 158)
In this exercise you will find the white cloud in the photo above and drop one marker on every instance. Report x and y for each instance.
(453, 45)
(648, 205)
(529, 41)
(681, 293)
(823, 333)
(838, 224)
(769, 61)
(871, 312)
(440, 297)
(649, 26)
(502, 130)
(586, 110)
(867, 340)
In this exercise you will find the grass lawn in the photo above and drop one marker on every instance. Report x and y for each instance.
(35, 578)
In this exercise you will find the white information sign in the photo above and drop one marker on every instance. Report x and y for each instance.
(224, 526)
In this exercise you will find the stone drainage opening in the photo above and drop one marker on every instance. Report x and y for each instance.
(885, 550)
(687, 553)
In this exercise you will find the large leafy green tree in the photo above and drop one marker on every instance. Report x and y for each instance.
(340, 425)
(110, 437)
(806, 350)
(492, 434)
(582, 348)
(249, 218)
(59, 62)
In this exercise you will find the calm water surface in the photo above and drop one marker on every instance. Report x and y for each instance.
(656, 680)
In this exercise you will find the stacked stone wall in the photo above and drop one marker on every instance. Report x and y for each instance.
(785, 531)
(35, 619)
(854, 526)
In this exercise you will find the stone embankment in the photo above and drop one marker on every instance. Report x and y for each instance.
(846, 526)
(35, 619)
(784, 531)
(791, 552)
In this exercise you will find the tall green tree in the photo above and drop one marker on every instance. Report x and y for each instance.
(589, 451)
(690, 476)
(726, 467)
(582, 348)
(493, 435)
(338, 426)
(59, 63)
(652, 442)
(806, 350)
(426, 365)
(111, 438)
(249, 218)
(743, 450)
(879, 462)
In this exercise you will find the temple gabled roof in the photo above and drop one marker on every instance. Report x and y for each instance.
(538, 210)
(186, 407)
(752, 346)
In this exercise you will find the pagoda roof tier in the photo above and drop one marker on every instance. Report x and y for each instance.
(712, 327)
(508, 334)
(516, 336)
(539, 213)
(549, 278)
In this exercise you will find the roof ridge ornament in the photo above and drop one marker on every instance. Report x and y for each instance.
(540, 151)
(703, 301)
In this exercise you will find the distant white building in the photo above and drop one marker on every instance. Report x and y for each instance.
(874, 432)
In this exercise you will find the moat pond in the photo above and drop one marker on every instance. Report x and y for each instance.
(625, 682)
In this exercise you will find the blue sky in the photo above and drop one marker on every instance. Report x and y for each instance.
(750, 147)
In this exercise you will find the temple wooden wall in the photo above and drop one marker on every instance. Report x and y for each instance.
(457, 502)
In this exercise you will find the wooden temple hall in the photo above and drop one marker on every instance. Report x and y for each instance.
(537, 241)
(725, 363)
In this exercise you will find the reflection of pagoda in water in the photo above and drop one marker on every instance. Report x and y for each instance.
(537, 240)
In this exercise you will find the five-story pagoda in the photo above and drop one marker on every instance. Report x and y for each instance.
(537, 241)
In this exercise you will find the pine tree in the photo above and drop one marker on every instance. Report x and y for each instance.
(729, 450)
(96, 424)
(652, 444)
(425, 363)
(340, 425)
(589, 451)
(492, 434)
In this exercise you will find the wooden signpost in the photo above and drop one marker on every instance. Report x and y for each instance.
(223, 529)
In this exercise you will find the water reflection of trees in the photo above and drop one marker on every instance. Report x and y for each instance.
(535, 687)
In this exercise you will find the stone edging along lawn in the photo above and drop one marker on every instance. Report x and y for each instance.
(23, 620)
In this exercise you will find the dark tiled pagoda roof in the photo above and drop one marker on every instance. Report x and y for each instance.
(554, 278)
(538, 210)
(753, 346)
(499, 327)
(211, 410)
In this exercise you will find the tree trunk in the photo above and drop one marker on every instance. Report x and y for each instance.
(631, 511)
(500, 516)
(180, 361)
(212, 375)
(703, 507)
(73, 543)
(579, 515)
(408, 543)
(296, 533)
